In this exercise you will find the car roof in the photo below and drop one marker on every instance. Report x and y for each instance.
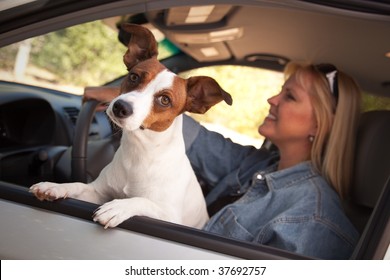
(353, 35)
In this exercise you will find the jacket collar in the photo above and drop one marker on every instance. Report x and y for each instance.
(277, 179)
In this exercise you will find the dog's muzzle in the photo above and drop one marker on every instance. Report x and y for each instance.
(121, 109)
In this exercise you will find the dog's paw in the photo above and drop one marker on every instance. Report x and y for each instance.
(48, 191)
(113, 213)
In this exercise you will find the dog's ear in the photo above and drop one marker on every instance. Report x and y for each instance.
(141, 44)
(203, 93)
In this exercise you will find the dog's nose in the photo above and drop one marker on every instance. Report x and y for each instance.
(122, 109)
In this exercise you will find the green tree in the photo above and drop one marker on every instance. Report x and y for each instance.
(87, 54)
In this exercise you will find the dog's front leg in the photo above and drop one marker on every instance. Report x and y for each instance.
(116, 211)
(53, 191)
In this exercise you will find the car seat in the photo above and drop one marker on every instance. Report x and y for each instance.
(368, 207)
(371, 167)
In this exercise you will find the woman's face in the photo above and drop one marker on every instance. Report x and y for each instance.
(290, 119)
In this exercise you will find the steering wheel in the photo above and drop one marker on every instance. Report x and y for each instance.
(80, 141)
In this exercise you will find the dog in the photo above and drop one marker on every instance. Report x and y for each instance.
(150, 174)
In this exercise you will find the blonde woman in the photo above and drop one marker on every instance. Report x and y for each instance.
(289, 198)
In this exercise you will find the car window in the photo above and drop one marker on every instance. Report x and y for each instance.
(90, 54)
(374, 102)
(70, 59)
(250, 88)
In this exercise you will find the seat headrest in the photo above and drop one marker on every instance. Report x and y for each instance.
(372, 162)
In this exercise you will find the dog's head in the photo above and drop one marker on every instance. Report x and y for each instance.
(152, 96)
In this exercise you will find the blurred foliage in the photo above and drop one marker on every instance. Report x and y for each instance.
(7, 56)
(87, 54)
(374, 102)
(82, 55)
(250, 89)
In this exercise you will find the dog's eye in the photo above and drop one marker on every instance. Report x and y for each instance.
(133, 77)
(164, 100)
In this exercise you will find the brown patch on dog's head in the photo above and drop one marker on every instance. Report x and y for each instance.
(141, 75)
(167, 105)
(168, 94)
(195, 95)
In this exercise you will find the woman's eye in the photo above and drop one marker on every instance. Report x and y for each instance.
(289, 96)
(133, 77)
(164, 100)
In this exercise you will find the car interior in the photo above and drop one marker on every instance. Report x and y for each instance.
(46, 135)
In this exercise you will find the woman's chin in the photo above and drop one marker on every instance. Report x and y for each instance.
(263, 130)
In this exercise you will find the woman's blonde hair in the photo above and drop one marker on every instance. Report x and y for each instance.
(332, 152)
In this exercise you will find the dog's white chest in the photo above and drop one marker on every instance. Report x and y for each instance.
(149, 162)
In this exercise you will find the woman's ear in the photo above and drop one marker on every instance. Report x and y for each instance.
(313, 131)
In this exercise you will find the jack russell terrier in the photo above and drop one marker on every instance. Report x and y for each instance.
(150, 174)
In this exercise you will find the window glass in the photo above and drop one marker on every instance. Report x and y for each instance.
(70, 59)
(250, 88)
(374, 102)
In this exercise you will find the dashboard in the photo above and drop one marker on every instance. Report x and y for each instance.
(36, 133)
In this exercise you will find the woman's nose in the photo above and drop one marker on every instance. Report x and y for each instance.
(273, 100)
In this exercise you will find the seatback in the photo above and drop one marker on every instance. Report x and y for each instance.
(371, 167)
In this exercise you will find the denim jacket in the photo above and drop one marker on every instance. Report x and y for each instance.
(293, 209)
